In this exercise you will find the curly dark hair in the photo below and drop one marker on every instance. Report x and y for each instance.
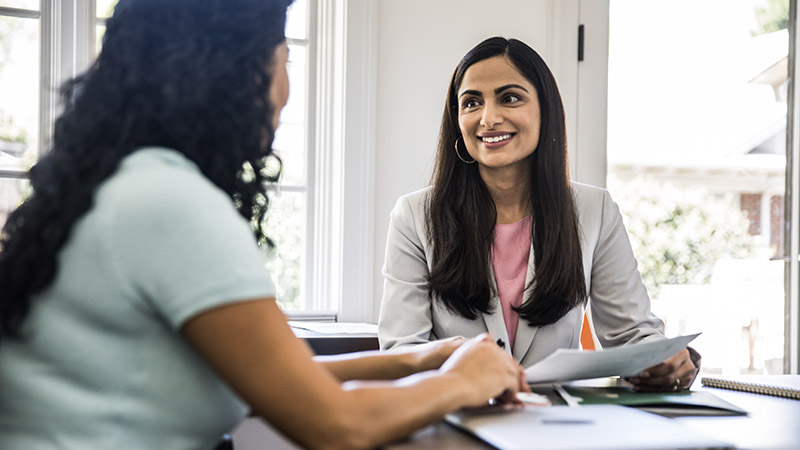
(190, 75)
(461, 213)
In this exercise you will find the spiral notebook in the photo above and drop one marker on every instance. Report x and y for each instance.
(787, 386)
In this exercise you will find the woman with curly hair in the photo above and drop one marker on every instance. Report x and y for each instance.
(135, 311)
(503, 242)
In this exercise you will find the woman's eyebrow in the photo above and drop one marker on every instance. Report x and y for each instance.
(509, 86)
(470, 92)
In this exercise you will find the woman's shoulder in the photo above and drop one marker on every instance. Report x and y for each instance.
(156, 185)
(412, 202)
(154, 173)
(158, 163)
(416, 197)
(587, 194)
(592, 203)
(583, 189)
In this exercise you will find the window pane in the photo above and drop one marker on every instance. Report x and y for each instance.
(11, 193)
(286, 219)
(19, 91)
(696, 157)
(99, 32)
(290, 137)
(296, 18)
(289, 144)
(24, 4)
(295, 110)
(105, 7)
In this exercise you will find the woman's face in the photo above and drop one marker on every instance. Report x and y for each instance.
(498, 113)
(279, 89)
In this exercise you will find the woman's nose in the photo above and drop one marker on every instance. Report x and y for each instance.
(492, 116)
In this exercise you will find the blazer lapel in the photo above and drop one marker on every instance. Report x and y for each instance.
(494, 321)
(525, 332)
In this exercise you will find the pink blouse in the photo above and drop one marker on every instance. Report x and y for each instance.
(510, 252)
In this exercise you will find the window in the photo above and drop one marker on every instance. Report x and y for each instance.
(19, 88)
(288, 215)
(697, 120)
(40, 46)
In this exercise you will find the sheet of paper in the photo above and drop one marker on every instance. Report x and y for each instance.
(623, 361)
(336, 327)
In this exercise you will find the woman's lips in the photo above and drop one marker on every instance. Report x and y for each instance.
(495, 140)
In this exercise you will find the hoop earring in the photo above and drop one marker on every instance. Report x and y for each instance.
(458, 152)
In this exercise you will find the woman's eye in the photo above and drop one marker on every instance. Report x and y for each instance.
(469, 104)
(511, 98)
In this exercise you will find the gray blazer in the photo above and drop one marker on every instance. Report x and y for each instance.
(620, 306)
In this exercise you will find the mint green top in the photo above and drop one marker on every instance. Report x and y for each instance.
(104, 364)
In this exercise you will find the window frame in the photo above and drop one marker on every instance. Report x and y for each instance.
(342, 162)
(66, 35)
(791, 223)
(792, 205)
(310, 45)
(25, 14)
(339, 138)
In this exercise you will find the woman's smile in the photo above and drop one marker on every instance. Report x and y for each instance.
(496, 139)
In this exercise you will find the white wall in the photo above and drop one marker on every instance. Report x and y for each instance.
(419, 43)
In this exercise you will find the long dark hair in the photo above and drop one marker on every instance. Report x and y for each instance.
(461, 214)
(191, 75)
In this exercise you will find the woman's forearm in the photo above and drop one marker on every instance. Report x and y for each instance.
(370, 365)
(388, 366)
(396, 408)
(383, 411)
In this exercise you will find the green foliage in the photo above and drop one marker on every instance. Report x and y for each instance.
(285, 226)
(677, 234)
(773, 16)
(10, 131)
(9, 27)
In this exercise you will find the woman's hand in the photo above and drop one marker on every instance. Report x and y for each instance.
(432, 355)
(489, 372)
(674, 374)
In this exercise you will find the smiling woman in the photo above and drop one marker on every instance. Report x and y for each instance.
(499, 118)
(461, 254)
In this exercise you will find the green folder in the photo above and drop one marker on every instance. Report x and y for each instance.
(671, 404)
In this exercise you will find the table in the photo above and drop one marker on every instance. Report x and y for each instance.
(773, 423)
(337, 337)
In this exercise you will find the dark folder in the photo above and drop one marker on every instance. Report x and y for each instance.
(668, 404)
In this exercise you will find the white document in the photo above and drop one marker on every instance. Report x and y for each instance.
(623, 361)
(595, 427)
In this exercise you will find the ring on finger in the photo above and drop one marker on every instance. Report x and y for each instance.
(677, 384)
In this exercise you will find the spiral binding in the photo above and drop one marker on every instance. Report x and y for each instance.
(756, 388)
